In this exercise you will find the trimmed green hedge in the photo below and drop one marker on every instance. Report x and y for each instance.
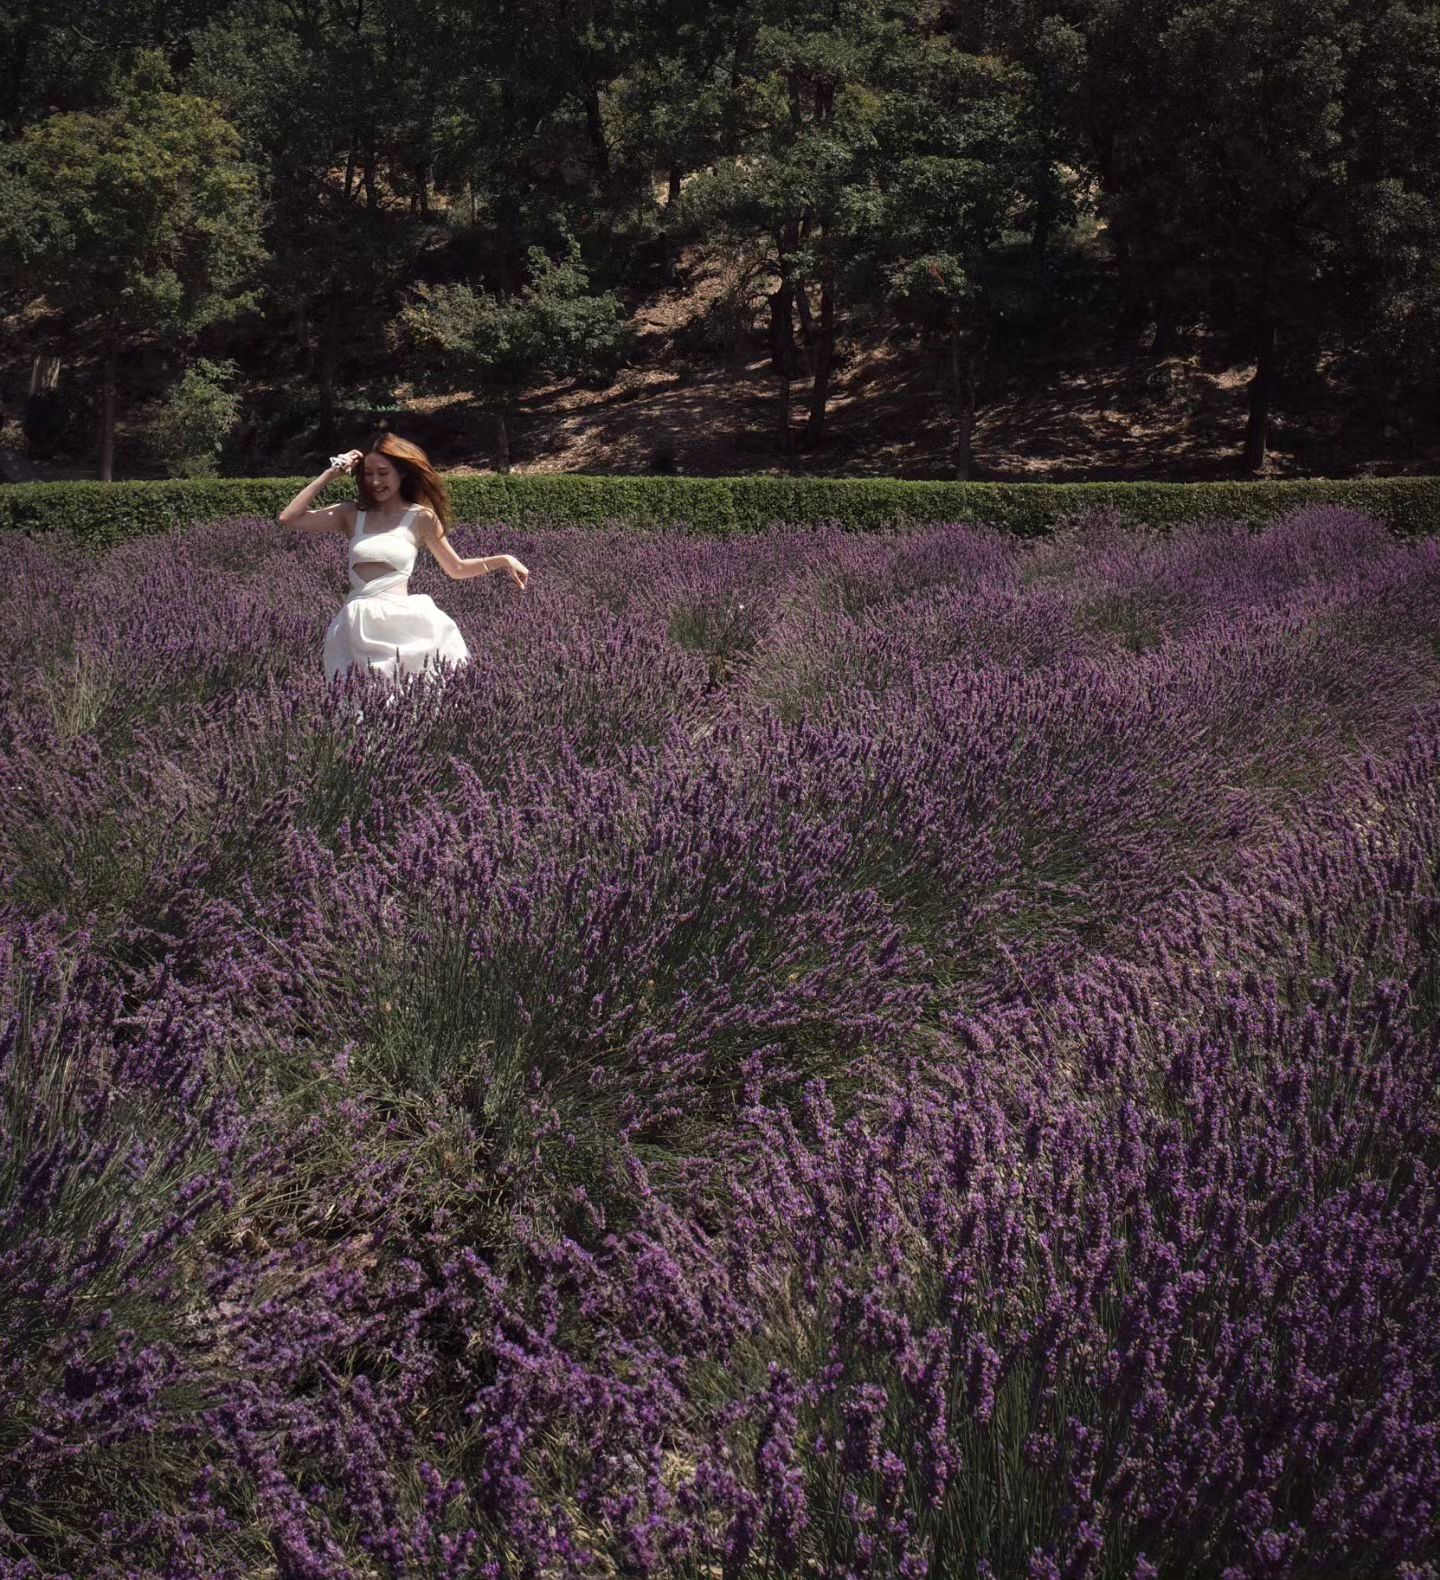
(104, 513)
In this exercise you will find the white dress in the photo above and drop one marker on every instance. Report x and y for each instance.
(381, 626)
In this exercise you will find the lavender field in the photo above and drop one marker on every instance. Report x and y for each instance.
(818, 1054)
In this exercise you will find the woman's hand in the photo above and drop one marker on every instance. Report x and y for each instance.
(341, 464)
(518, 573)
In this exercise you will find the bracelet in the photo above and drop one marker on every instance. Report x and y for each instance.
(338, 462)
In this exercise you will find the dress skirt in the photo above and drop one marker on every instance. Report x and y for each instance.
(381, 626)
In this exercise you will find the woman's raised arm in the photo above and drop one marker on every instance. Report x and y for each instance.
(334, 518)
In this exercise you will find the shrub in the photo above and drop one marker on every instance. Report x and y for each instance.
(715, 506)
(193, 421)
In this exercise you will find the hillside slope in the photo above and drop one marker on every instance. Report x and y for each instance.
(1086, 411)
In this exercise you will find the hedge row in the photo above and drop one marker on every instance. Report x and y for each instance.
(105, 513)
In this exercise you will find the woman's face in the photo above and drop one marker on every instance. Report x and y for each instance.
(382, 480)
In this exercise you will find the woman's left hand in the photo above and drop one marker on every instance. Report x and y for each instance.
(518, 574)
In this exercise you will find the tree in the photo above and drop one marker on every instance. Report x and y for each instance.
(670, 103)
(1124, 117)
(496, 345)
(1256, 92)
(139, 222)
(195, 418)
(803, 106)
(951, 166)
(63, 57)
(1384, 324)
(347, 196)
(1051, 52)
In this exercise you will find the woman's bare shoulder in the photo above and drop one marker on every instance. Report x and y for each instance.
(427, 523)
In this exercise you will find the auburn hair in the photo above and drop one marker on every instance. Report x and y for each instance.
(420, 483)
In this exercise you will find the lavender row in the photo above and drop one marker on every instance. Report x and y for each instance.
(1136, 1280)
(985, 803)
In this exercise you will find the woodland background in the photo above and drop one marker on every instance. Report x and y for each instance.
(1039, 239)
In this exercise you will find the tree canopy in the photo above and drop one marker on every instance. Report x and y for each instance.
(140, 220)
(273, 182)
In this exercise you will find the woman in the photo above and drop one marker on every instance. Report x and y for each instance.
(402, 504)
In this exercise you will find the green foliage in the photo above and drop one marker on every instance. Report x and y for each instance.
(1266, 168)
(458, 338)
(884, 165)
(1262, 169)
(1261, 191)
(668, 104)
(194, 420)
(800, 191)
(141, 219)
(582, 335)
(957, 157)
(104, 513)
(495, 345)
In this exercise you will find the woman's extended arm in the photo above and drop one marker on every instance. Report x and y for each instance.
(335, 518)
(459, 569)
(495, 562)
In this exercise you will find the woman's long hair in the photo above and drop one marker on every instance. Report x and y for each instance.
(420, 483)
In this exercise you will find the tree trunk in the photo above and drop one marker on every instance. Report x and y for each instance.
(1040, 236)
(735, 352)
(782, 357)
(367, 173)
(502, 441)
(965, 435)
(504, 271)
(326, 434)
(1167, 325)
(783, 435)
(782, 330)
(1047, 207)
(1258, 397)
(107, 415)
(809, 335)
(963, 382)
(44, 373)
(807, 325)
(824, 354)
(1134, 293)
(671, 250)
(596, 128)
(783, 352)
